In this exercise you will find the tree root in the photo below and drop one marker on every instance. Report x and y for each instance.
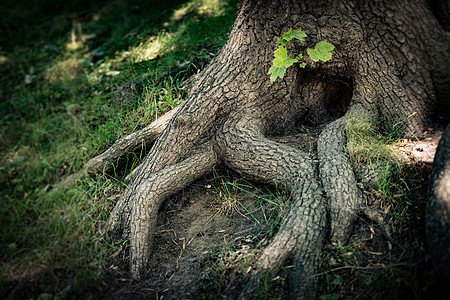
(302, 231)
(344, 197)
(242, 146)
(137, 215)
(346, 201)
(149, 198)
(132, 143)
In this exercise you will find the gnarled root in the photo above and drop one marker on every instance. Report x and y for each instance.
(344, 198)
(136, 212)
(302, 232)
(130, 144)
(241, 145)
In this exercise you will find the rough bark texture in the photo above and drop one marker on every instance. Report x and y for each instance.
(344, 196)
(438, 205)
(390, 60)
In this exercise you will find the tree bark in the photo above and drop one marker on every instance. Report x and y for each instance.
(438, 205)
(390, 60)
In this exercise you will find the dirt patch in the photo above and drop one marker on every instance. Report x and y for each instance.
(193, 226)
(423, 149)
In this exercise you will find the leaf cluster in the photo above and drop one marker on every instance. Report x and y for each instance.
(282, 61)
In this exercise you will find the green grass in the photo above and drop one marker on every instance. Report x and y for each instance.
(369, 139)
(371, 142)
(60, 63)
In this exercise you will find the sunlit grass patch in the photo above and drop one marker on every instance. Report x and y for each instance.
(67, 69)
(3, 59)
(186, 35)
(149, 49)
(371, 146)
(366, 141)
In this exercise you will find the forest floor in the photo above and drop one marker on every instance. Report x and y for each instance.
(60, 63)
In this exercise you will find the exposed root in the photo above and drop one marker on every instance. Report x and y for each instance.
(130, 144)
(241, 145)
(302, 231)
(344, 197)
(137, 215)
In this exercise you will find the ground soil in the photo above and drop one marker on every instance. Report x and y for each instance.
(423, 149)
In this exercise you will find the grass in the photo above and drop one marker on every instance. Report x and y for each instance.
(226, 269)
(372, 143)
(60, 64)
(268, 205)
(369, 139)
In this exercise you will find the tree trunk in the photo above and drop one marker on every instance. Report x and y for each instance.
(390, 60)
(438, 206)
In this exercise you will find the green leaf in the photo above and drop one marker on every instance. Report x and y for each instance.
(290, 35)
(321, 51)
(302, 65)
(276, 72)
(280, 63)
(282, 59)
